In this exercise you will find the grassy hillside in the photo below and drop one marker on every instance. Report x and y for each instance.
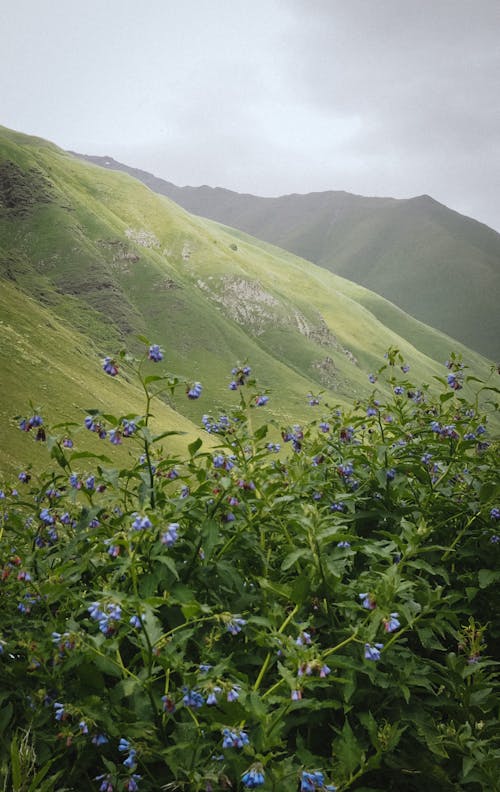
(89, 259)
(436, 264)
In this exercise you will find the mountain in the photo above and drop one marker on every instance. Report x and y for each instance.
(435, 264)
(90, 259)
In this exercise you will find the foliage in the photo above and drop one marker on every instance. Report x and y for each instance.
(315, 613)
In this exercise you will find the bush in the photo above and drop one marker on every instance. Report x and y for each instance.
(317, 616)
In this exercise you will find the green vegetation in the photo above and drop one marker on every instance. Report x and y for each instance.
(318, 618)
(105, 260)
(436, 264)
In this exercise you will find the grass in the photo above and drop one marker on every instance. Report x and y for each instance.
(78, 283)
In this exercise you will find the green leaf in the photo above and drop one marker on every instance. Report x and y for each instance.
(194, 446)
(144, 340)
(294, 556)
(15, 766)
(169, 433)
(487, 576)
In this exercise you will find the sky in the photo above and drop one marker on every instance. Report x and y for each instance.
(376, 97)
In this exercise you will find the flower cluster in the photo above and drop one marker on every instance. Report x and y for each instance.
(35, 422)
(234, 739)
(194, 390)
(253, 777)
(240, 375)
(108, 618)
(310, 782)
(110, 366)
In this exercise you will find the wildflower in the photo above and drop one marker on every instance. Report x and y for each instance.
(83, 727)
(273, 447)
(371, 411)
(234, 625)
(345, 470)
(123, 745)
(131, 762)
(313, 400)
(155, 354)
(140, 523)
(367, 601)
(212, 696)
(309, 782)
(115, 436)
(90, 483)
(168, 704)
(390, 474)
(46, 517)
(343, 544)
(304, 639)
(135, 621)
(254, 777)
(372, 651)
(233, 693)
(60, 713)
(338, 506)
(24, 477)
(110, 367)
(296, 695)
(67, 442)
(392, 623)
(170, 536)
(106, 785)
(324, 671)
(454, 382)
(192, 699)
(99, 739)
(495, 513)
(234, 739)
(131, 784)
(399, 390)
(260, 401)
(405, 368)
(194, 392)
(324, 426)
(129, 427)
(372, 378)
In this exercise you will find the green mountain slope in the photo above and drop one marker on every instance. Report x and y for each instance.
(89, 259)
(434, 263)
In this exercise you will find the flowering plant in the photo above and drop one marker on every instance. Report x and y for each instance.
(313, 616)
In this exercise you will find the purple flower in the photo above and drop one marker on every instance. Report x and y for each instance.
(367, 601)
(192, 699)
(110, 367)
(372, 378)
(453, 382)
(194, 392)
(371, 411)
(304, 639)
(234, 739)
(115, 436)
(338, 506)
(260, 401)
(372, 651)
(390, 474)
(233, 693)
(135, 621)
(254, 777)
(24, 477)
(131, 784)
(324, 426)
(495, 513)
(100, 739)
(155, 354)
(170, 536)
(392, 623)
(140, 523)
(235, 624)
(212, 696)
(399, 390)
(405, 368)
(343, 544)
(90, 483)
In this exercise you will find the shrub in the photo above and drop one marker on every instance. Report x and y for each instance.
(314, 616)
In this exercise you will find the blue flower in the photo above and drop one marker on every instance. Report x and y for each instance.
(392, 623)
(140, 523)
(254, 777)
(192, 699)
(260, 401)
(194, 392)
(399, 390)
(372, 651)
(234, 625)
(367, 601)
(234, 739)
(110, 367)
(495, 513)
(155, 354)
(170, 536)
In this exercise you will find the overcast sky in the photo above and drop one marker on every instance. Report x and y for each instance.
(376, 97)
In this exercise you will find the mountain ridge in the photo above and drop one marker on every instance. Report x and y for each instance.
(434, 263)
